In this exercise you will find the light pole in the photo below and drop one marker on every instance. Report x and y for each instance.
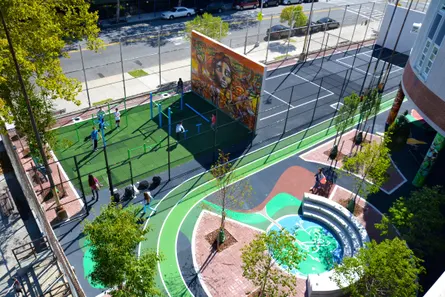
(60, 210)
(260, 19)
(303, 55)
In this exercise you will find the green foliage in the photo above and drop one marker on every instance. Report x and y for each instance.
(399, 132)
(294, 16)
(114, 236)
(346, 113)
(261, 268)
(389, 268)
(420, 220)
(370, 104)
(229, 192)
(210, 26)
(372, 163)
(39, 31)
(138, 73)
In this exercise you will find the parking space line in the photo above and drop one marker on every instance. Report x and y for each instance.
(278, 75)
(270, 94)
(362, 71)
(300, 105)
(336, 106)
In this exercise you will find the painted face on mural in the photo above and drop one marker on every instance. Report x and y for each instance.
(223, 74)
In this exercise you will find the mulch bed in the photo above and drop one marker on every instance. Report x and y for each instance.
(339, 157)
(358, 211)
(212, 239)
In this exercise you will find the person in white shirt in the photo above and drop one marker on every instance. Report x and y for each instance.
(179, 129)
(117, 118)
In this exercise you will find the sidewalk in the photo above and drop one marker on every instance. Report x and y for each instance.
(112, 87)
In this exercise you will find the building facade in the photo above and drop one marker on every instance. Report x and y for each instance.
(423, 81)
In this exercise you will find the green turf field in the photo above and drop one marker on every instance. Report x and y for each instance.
(148, 142)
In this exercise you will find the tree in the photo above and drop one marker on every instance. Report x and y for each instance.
(389, 269)
(229, 191)
(210, 26)
(294, 16)
(39, 30)
(419, 219)
(369, 106)
(399, 133)
(344, 119)
(114, 236)
(370, 163)
(261, 258)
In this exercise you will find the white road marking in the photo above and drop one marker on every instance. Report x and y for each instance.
(278, 98)
(336, 106)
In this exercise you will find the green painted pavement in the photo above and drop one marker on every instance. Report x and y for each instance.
(180, 199)
(281, 205)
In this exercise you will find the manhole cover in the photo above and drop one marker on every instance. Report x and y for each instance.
(138, 62)
(101, 75)
(165, 95)
(77, 119)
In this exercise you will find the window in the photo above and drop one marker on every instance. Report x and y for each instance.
(434, 26)
(431, 59)
(423, 55)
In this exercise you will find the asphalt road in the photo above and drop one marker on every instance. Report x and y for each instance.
(140, 48)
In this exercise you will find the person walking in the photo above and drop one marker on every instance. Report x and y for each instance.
(319, 178)
(94, 138)
(147, 199)
(179, 129)
(117, 118)
(180, 87)
(94, 184)
(213, 125)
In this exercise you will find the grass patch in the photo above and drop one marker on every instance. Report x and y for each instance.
(102, 102)
(138, 73)
(292, 40)
(281, 57)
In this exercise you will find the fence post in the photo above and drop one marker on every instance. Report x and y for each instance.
(122, 66)
(131, 177)
(110, 180)
(169, 121)
(355, 26)
(268, 40)
(288, 109)
(159, 55)
(85, 75)
(81, 185)
(160, 114)
(245, 41)
(341, 25)
(370, 17)
(168, 154)
(151, 105)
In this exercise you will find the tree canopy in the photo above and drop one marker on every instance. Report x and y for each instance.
(209, 25)
(261, 258)
(294, 16)
(39, 31)
(420, 219)
(388, 268)
(114, 236)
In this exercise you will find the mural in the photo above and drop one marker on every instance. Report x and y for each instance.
(429, 160)
(227, 79)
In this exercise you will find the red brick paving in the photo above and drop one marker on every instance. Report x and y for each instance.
(223, 277)
(317, 155)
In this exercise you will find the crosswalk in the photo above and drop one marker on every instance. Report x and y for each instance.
(368, 11)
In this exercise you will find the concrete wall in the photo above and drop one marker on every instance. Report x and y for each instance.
(407, 38)
(438, 289)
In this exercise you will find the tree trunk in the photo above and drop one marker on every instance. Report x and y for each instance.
(395, 107)
(264, 282)
(118, 11)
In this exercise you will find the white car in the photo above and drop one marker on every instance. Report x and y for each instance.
(293, 1)
(177, 12)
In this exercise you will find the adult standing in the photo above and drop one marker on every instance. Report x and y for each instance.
(94, 184)
(213, 125)
(180, 87)
(147, 198)
(94, 138)
(18, 287)
(319, 179)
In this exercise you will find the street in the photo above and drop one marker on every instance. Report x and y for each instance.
(140, 41)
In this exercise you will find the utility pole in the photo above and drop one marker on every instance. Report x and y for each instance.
(260, 20)
(303, 52)
(61, 212)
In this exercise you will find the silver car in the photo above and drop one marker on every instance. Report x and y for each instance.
(285, 2)
(177, 12)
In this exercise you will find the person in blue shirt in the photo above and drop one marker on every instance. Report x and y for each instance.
(94, 137)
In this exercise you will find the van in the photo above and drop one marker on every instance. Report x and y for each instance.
(243, 4)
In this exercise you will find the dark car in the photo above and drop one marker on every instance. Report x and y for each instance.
(328, 23)
(278, 32)
(314, 28)
(267, 3)
(218, 6)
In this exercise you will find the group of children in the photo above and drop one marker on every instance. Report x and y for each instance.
(101, 122)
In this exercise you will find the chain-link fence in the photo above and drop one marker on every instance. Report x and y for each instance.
(135, 63)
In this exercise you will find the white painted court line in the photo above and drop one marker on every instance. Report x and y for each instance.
(278, 75)
(270, 94)
(300, 105)
(336, 106)
(312, 83)
(362, 71)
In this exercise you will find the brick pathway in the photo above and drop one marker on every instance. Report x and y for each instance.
(321, 152)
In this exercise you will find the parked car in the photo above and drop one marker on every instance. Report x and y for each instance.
(278, 32)
(177, 12)
(219, 6)
(309, 1)
(285, 2)
(243, 4)
(314, 28)
(267, 3)
(328, 23)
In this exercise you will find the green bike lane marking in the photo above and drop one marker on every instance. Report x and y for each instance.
(179, 200)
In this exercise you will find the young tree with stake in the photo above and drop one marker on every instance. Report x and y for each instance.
(210, 26)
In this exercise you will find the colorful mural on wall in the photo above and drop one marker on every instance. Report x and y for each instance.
(229, 80)
(429, 160)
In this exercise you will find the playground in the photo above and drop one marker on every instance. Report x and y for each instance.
(146, 143)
